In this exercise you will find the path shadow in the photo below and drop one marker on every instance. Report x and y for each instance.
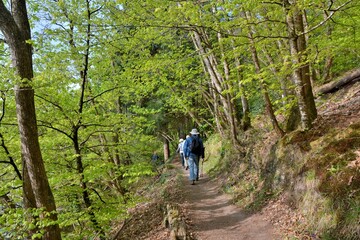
(215, 217)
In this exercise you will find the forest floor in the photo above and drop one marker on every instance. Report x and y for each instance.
(213, 216)
(208, 211)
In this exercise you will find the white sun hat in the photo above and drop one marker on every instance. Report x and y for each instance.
(194, 131)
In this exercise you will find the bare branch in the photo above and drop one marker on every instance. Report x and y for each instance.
(55, 105)
(332, 12)
(100, 94)
(98, 195)
(50, 126)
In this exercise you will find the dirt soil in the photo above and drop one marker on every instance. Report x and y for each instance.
(214, 217)
(207, 212)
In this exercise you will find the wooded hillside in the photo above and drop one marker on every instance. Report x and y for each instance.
(90, 89)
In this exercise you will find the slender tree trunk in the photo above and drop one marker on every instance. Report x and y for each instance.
(212, 100)
(217, 81)
(301, 75)
(305, 27)
(305, 67)
(81, 104)
(274, 70)
(268, 104)
(226, 87)
(114, 155)
(244, 101)
(83, 185)
(166, 149)
(326, 76)
(281, 50)
(293, 117)
(36, 189)
(284, 80)
(118, 178)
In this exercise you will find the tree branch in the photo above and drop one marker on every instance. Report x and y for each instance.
(100, 94)
(49, 125)
(55, 105)
(332, 12)
(98, 195)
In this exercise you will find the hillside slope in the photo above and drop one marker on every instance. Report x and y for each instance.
(306, 184)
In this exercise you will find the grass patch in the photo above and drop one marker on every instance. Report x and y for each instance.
(331, 200)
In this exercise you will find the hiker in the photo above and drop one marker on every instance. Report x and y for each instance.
(193, 150)
(155, 159)
(181, 151)
(186, 161)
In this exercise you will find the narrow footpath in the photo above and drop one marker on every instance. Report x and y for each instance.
(213, 217)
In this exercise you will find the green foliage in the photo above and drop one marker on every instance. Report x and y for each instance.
(135, 172)
(13, 225)
(110, 85)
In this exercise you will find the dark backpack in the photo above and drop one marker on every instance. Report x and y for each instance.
(195, 146)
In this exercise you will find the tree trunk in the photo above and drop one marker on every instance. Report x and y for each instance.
(166, 149)
(83, 74)
(83, 185)
(268, 104)
(305, 27)
(229, 96)
(246, 121)
(348, 78)
(305, 67)
(301, 75)
(284, 80)
(211, 100)
(36, 189)
(275, 71)
(217, 82)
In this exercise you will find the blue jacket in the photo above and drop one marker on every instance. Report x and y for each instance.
(187, 145)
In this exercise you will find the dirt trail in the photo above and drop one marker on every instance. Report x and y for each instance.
(214, 217)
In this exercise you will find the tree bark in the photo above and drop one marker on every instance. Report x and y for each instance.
(76, 127)
(36, 189)
(166, 149)
(83, 183)
(301, 75)
(246, 121)
(211, 99)
(217, 81)
(348, 78)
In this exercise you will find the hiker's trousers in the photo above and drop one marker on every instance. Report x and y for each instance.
(193, 167)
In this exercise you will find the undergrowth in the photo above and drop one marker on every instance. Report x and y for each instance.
(319, 168)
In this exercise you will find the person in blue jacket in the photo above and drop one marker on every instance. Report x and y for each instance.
(193, 150)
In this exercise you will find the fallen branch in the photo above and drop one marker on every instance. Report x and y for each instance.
(337, 84)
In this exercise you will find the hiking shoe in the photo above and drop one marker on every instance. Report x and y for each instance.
(197, 179)
(187, 167)
(193, 182)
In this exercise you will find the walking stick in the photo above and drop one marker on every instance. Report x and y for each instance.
(202, 166)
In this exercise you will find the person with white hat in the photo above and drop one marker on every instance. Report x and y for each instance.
(184, 147)
(181, 152)
(193, 150)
